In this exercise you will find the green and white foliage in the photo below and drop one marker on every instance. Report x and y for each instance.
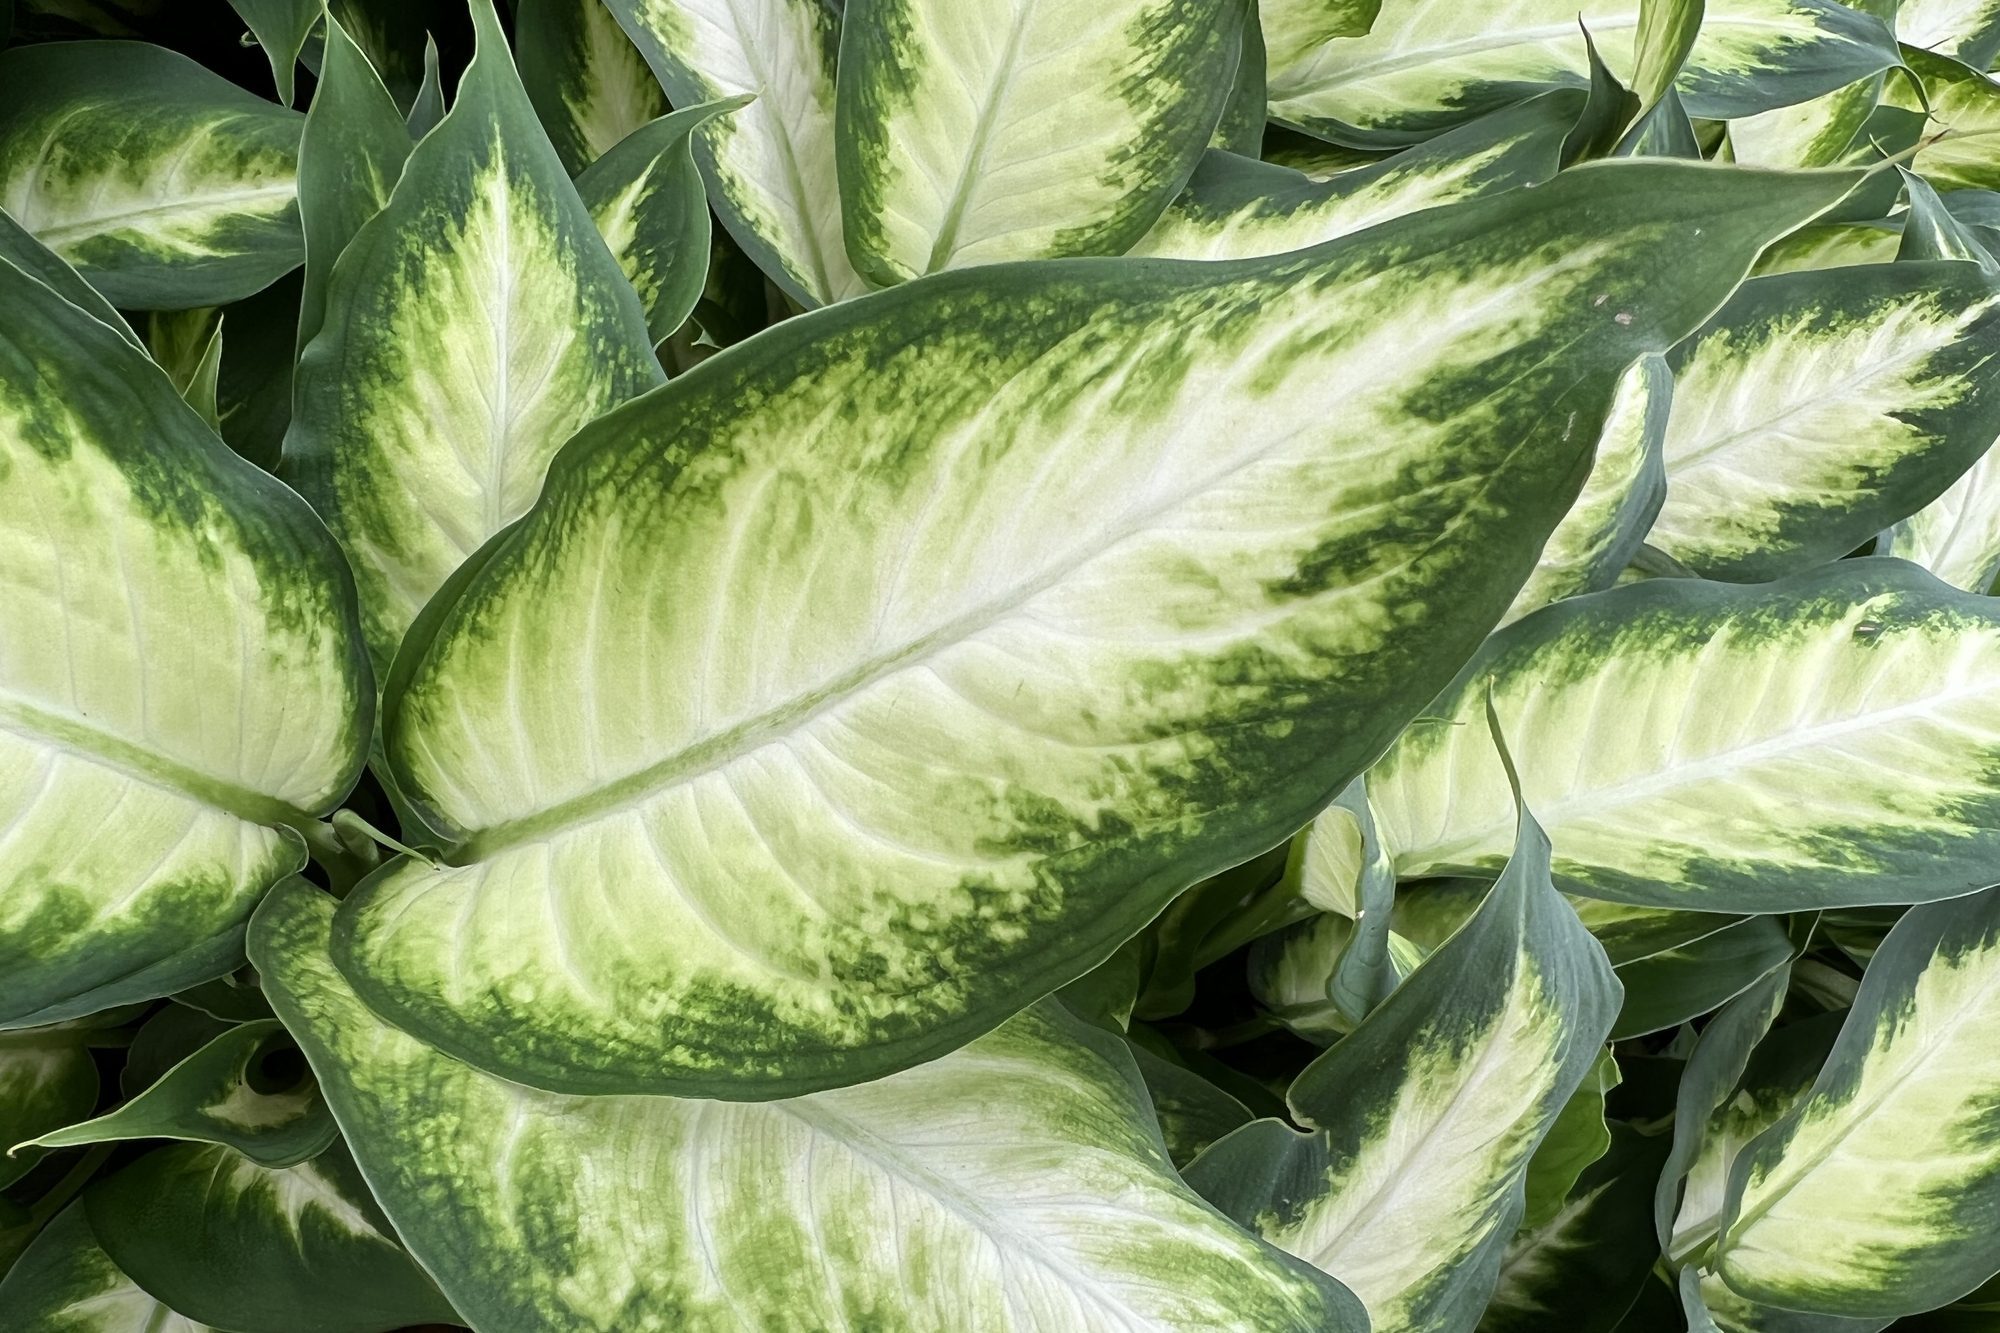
(1967, 30)
(472, 325)
(1872, 1196)
(180, 679)
(1016, 1184)
(66, 1283)
(1424, 1120)
(1015, 129)
(584, 76)
(163, 184)
(1238, 208)
(1964, 112)
(1957, 535)
(770, 167)
(1426, 65)
(1655, 719)
(1818, 408)
(778, 811)
(47, 1079)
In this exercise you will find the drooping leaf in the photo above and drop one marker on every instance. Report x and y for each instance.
(256, 1249)
(773, 803)
(181, 669)
(280, 27)
(246, 1090)
(1012, 129)
(1872, 1196)
(1427, 1115)
(47, 1079)
(1818, 408)
(1849, 698)
(1236, 208)
(66, 1283)
(472, 325)
(647, 200)
(587, 81)
(1425, 67)
(770, 167)
(166, 186)
(1016, 1185)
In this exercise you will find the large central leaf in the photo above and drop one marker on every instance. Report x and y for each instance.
(890, 670)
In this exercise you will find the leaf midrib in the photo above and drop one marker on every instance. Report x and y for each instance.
(98, 224)
(945, 245)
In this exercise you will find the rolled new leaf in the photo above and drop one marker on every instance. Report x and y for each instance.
(1012, 129)
(1661, 724)
(1425, 1118)
(165, 185)
(833, 731)
(181, 671)
(770, 168)
(1874, 1195)
(472, 325)
(587, 81)
(1018, 1185)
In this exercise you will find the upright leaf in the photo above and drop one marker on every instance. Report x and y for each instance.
(1818, 408)
(970, 134)
(587, 81)
(281, 27)
(163, 184)
(1663, 724)
(770, 168)
(181, 671)
(1017, 1185)
(824, 663)
(1874, 1195)
(1425, 1118)
(471, 327)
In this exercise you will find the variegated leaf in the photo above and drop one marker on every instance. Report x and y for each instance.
(165, 185)
(1964, 111)
(1664, 724)
(768, 627)
(1012, 129)
(47, 1079)
(1236, 208)
(1818, 133)
(472, 326)
(181, 676)
(247, 1090)
(1017, 1185)
(1831, 245)
(1957, 535)
(1967, 30)
(1241, 128)
(770, 167)
(584, 76)
(253, 1248)
(647, 200)
(1425, 1117)
(1873, 1196)
(1294, 29)
(19, 248)
(1818, 408)
(66, 1283)
(1426, 65)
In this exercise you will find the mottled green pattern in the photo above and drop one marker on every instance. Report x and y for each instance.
(1019, 129)
(1663, 724)
(1875, 1195)
(1964, 108)
(584, 76)
(1016, 1185)
(66, 1283)
(1430, 64)
(1427, 1115)
(1236, 208)
(472, 326)
(770, 168)
(180, 669)
(1968, 30)
(1957, 535)
(824, 662)
(164, 184)
(1818, 408)
(47, 1079)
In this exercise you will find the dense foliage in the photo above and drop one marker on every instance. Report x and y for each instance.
(683, 665)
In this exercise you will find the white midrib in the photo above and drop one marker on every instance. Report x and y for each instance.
(801, 198)
(96, 224)
(974, 162)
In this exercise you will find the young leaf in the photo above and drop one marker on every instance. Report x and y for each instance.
(1818, 408)
(66, 1283)
(770, 167)
(1425, 1118)
(471, 327)
(239, 1091)
(1017, 1185)
(1425, 67)
(824, 661)
(1872, 1196)
(163, 184)
(1012, 129)
(280, 27)
(428, 108)
(1660, 721)
(587, 81)
(1931, 231)
(182, 673)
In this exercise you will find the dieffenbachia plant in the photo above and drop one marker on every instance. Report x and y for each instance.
(1298, 666)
